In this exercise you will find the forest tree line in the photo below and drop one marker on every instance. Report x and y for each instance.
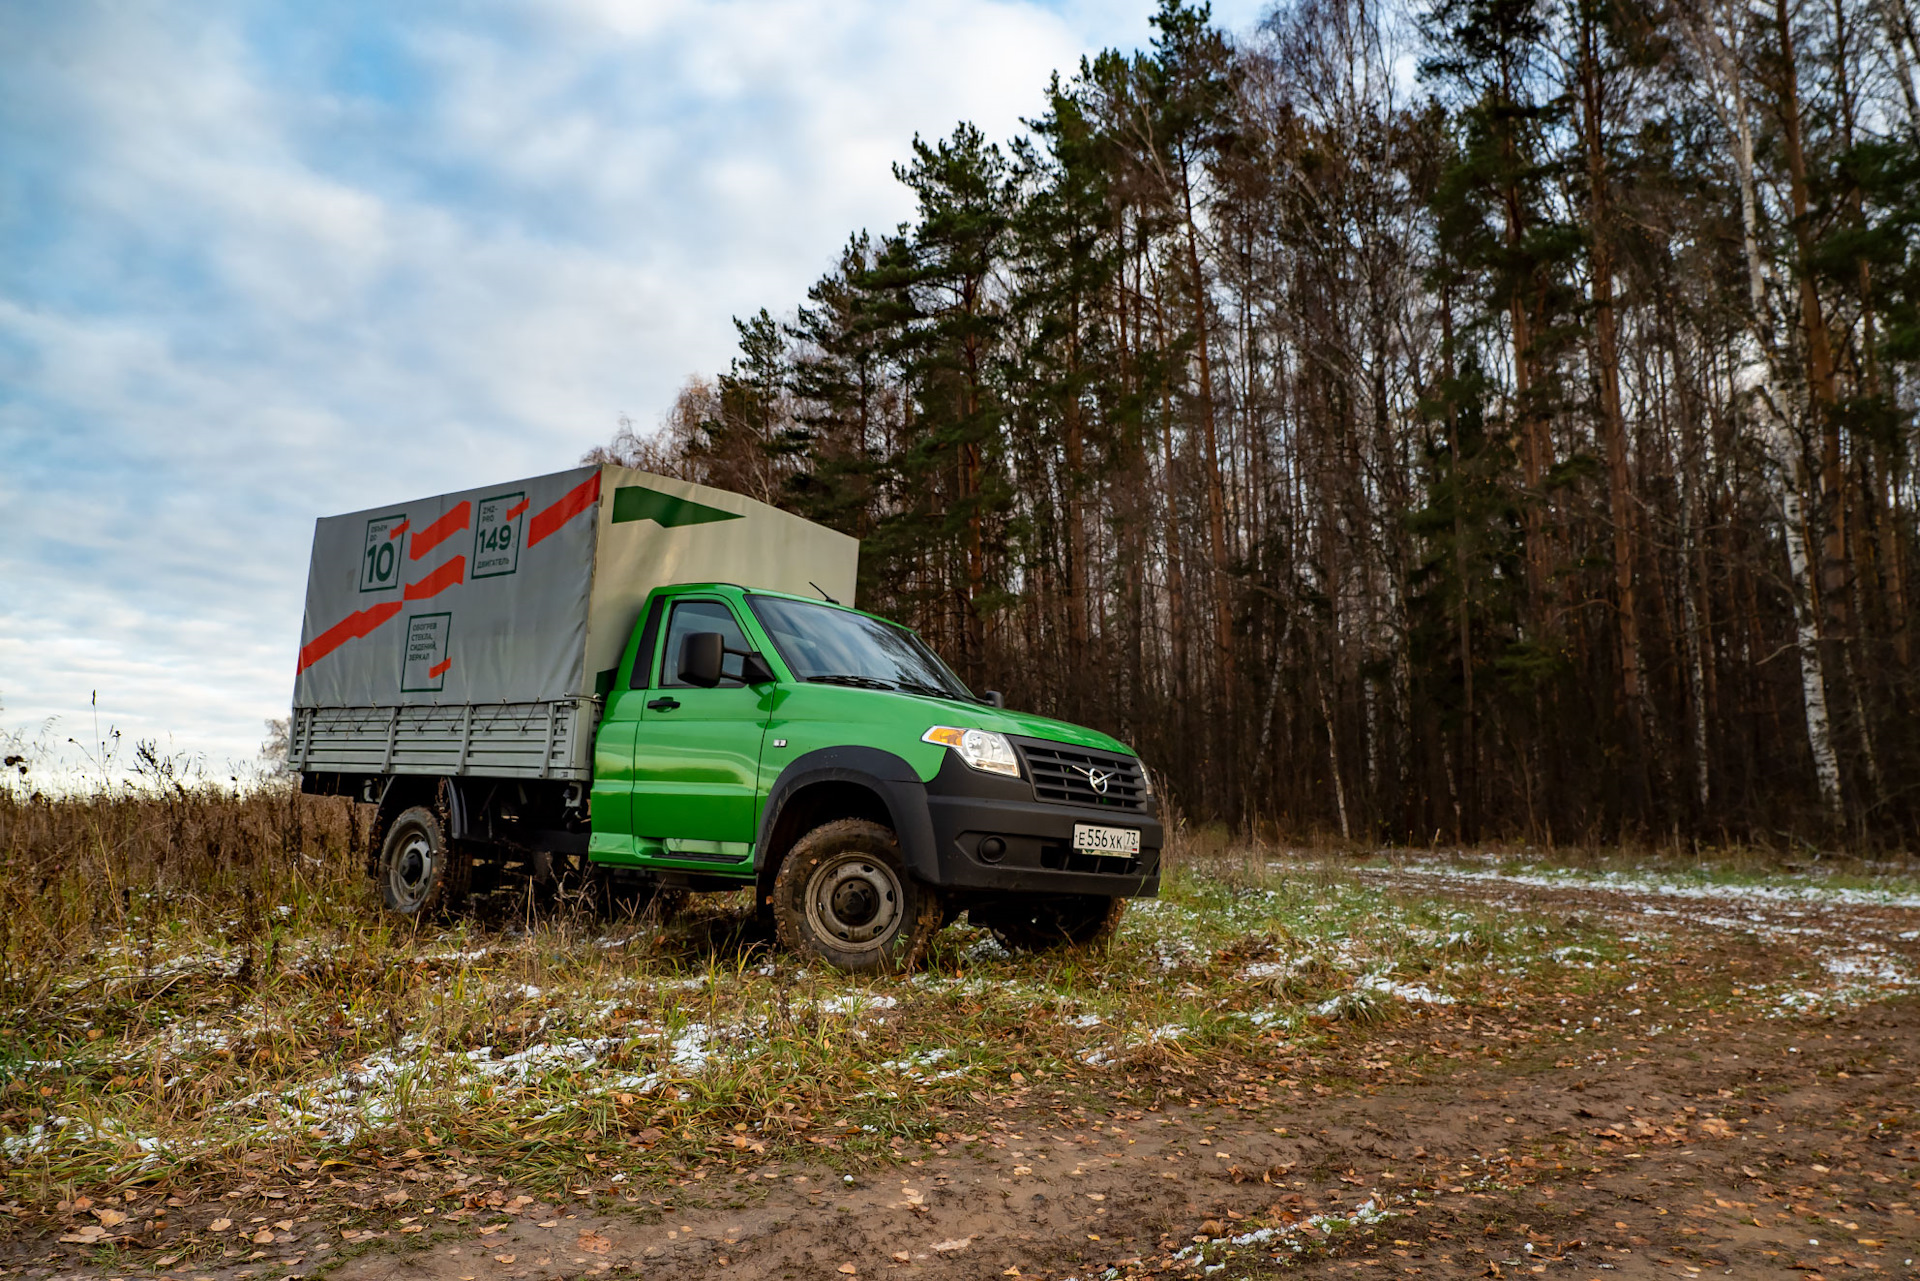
(1493, 419)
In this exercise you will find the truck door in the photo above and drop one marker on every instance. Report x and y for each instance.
(613, 749)
(697, 751)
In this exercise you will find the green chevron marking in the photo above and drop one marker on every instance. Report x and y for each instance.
(635, 502)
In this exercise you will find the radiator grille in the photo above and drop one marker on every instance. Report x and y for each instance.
(1066, 775)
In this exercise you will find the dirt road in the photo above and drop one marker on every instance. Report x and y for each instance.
(1751, 1113)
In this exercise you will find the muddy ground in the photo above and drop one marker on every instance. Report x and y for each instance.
(1692, 1132)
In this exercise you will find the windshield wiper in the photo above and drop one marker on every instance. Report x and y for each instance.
(920, 687)
(854, 682)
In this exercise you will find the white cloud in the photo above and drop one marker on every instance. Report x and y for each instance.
(257, 274)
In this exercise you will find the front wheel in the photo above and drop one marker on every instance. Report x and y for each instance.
(843, 894)
(1040, 923)
(419, 869)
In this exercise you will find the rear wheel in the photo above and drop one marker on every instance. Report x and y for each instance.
(843, 894)
(420, 871)
(1039, 923)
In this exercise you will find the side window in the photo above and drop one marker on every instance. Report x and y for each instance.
(643, 656)
(690, 616)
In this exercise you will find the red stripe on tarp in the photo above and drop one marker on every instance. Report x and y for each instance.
(352, 627)
(362, 623)
(439, 669)
(517, 508)
(451, 574)
(441, 530)
(399, 529)
(581, 497)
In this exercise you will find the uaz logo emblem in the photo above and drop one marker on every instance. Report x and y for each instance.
(1098, 779)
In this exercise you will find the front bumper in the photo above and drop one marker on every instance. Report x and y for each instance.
(968, 807)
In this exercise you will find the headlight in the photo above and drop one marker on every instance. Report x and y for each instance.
(1146, 779)
(983, 749)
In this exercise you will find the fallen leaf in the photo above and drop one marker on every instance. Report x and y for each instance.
(505, 1258)
(849, 1269)
(263, 1237)
(166, 1261)
(220, 1225)
(284, 1225)
(593, 1243)
(1023, 1169)
(1213, 1227)
(396, 1197)
(490, 1229)
(901, 1256)
(92, 1234)
(948, 1247)
(110, 1218)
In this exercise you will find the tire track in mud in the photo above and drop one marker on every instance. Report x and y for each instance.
(1863, 944)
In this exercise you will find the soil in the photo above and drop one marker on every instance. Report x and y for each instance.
(1693, 1134)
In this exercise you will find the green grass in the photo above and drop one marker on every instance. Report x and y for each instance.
(202, 988)
(264, 1015)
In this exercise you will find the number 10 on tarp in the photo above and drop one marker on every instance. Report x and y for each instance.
(380, 562)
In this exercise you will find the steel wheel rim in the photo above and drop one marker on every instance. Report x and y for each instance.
(411, 874)
(855, 901)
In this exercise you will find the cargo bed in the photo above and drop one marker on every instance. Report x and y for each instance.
(551, 739)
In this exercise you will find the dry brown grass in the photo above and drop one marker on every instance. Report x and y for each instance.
(200, 984)
(121, 866)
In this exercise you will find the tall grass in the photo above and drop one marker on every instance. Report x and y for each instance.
(121, 866)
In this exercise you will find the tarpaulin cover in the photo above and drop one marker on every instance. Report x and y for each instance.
(527, 591)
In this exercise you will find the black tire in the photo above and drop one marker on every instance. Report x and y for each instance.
(1040, 923)
(420, 871)
(844, 894)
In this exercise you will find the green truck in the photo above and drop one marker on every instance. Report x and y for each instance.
(607, 676)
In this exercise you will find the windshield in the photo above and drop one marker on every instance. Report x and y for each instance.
(838, 647)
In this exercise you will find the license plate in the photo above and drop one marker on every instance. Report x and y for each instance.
(1106, 840)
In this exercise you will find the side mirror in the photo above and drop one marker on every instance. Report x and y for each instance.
(701, 654)
(993, 698)
(703, 657)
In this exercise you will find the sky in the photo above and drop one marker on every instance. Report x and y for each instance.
(261, 263)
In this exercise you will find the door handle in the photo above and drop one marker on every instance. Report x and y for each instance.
(663, 704)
